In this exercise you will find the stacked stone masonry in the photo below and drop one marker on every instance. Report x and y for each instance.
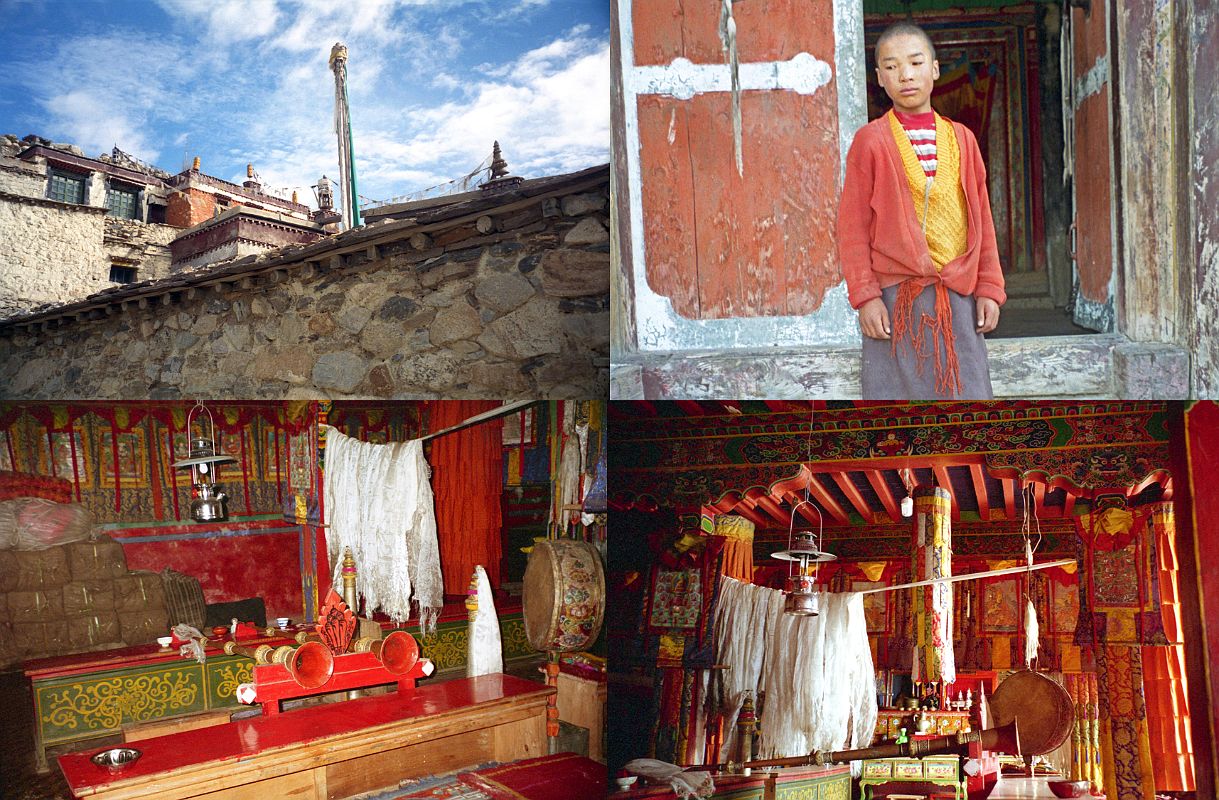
(512, 304)
(50, 251)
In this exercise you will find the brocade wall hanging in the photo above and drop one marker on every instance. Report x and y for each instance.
(1119, 594)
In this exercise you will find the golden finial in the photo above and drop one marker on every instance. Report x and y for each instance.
(339, 51)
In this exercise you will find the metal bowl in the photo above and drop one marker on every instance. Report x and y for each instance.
(116, 758)
(1069, 788)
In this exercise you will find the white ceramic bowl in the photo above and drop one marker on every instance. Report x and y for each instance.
(626, 783)
(165, 641)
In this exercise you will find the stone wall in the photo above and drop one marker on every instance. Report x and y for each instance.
(511, 305)
(16, 177)
(144, 244)
(49, 252)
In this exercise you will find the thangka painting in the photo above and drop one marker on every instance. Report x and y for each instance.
(676, 599)
(1001, 605)
(130, 458)
(1064, 609)
(66, 447)
(875, 605)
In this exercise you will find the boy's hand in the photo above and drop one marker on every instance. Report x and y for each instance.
(988, 314)
(874, 319)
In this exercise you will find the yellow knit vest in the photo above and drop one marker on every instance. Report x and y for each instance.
(942, 212)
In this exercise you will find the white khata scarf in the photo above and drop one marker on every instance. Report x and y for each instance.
(378, 502)
(742, 618)
(816, 671)
(486, 652)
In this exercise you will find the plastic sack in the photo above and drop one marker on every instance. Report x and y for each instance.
(31, 523)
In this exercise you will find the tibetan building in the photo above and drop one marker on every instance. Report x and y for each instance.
(851, 599)
(313, 599)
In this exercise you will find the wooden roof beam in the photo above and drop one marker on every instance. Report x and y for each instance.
(979, 482)
(1010, 490)
(877, 480)
(848, 488)
(1039, 499)
(941, 477)
(826, 500)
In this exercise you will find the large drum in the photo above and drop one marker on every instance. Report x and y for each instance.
(564, 598)
(1043, 710)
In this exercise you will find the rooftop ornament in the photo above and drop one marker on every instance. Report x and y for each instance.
(500, 179)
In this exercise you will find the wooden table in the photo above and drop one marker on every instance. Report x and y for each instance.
(93, 694)
(920, 772)
(332, 750)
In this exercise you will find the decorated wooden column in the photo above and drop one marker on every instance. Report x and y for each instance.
(932, 607)
(738, 546)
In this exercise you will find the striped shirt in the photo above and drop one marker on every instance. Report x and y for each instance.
(921, 130)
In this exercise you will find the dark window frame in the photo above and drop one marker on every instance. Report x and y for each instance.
(122, 273)
(64, 178)
(128, 191)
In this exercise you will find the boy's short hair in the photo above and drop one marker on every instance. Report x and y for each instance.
(903, 28)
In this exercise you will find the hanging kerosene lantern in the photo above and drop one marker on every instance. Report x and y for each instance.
(207, 501)
(803, 549)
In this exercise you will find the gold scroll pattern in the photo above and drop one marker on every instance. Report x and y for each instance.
(226, 679)
(835, 787)
(449, 646)
(107, 703)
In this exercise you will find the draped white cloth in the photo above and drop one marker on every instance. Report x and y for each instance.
(816, 671)
(379, 503)
(742, 619)
(485, 651)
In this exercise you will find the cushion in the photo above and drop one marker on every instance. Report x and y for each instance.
(251, 610)
(184, 599)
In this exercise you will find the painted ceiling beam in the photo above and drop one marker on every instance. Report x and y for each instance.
(941, 477)
(877, 479)
(1039, 499)
(690, 408)
(827, 501)
(856, 498)
(979, 482)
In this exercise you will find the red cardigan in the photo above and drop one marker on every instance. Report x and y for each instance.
(880, 238)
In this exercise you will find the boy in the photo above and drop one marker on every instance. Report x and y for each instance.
(916, 238)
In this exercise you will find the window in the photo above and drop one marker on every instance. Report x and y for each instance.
(66, 187)
(156, 213)
(123, 201)
(122, 274)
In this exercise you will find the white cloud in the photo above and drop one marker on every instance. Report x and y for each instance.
(239, 82)
(95, 126)
(226, 20)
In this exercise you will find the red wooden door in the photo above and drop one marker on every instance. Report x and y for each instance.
(720, 244)
(1094, 252)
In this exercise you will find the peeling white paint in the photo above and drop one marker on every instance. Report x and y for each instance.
(682, 78)
(1092, 81)
(659, 327)
(851, 63)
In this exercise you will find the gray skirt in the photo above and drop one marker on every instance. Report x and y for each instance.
(888, 377)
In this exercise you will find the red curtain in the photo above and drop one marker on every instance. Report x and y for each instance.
(467, 481)
(1164, 683)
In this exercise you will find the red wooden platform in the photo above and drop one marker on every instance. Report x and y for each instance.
(332, 750)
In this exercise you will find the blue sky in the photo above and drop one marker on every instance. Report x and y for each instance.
(431, 84)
